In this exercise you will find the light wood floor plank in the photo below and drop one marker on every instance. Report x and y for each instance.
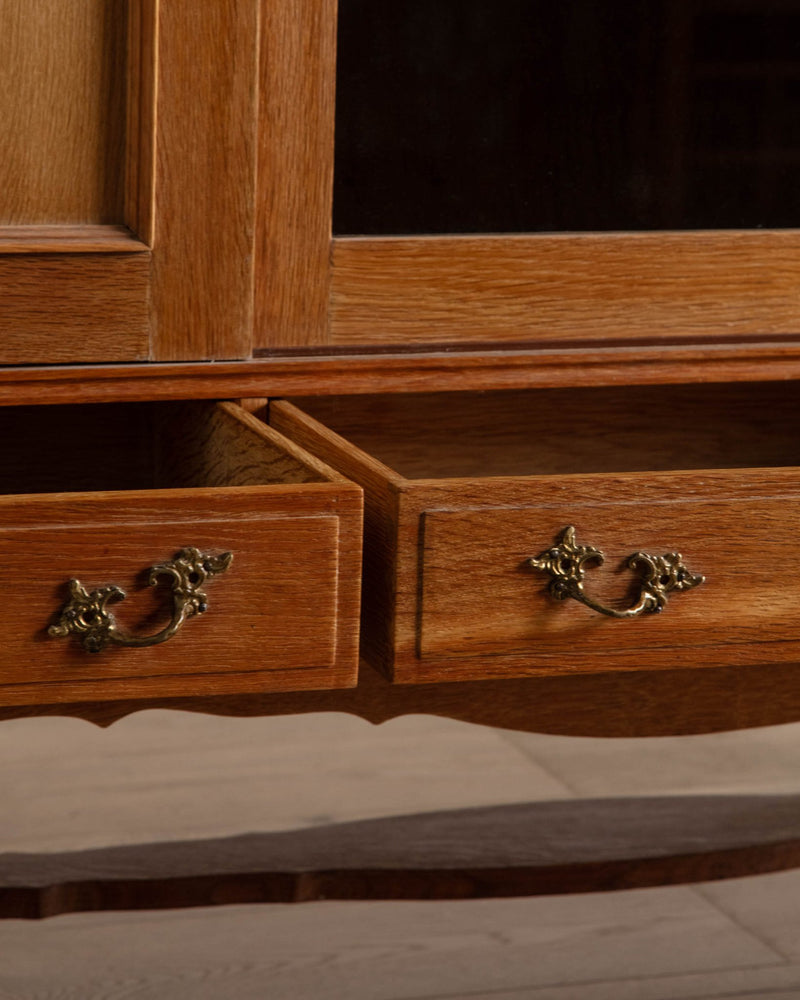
(373, 951)
(768, 907)
(66, 785)
(740, 984)
(757, 761)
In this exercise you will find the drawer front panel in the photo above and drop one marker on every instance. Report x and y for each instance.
(480, 597)
(282, 617)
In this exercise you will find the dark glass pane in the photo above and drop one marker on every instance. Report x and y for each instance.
(533, 116)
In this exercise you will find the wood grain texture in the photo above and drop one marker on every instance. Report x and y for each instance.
(140, 166)
(69, 239)
(139, 446)
(202, 295)
(286, 617)
(183, 182)
(406, 372)
(276, 614)
(679, 702)
(567, 431)
(429, 290)
(62, 77)
(295, 172)
(64, 182)
(62, 308)
(272, 622)
(382, 501)
(457, 597)
(224, 446)
(484, 612)
(497, 851)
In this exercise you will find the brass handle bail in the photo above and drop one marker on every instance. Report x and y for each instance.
(86, 615)
(660, 575)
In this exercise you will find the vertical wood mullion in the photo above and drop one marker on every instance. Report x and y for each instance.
(203, 226)
(295, 172)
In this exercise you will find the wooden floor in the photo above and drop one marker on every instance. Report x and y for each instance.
(161, 776)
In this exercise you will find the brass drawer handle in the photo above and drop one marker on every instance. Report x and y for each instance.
(85, 614)
(660, 575)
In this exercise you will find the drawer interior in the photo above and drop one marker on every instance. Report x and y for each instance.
(134, 446)
(563, 431)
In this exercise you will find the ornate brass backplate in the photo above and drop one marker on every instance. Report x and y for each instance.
(86, 614)
(566, 564)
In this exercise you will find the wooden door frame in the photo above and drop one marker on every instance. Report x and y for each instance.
(173, 280)
(532, 291)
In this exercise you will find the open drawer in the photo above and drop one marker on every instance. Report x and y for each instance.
(470, 570)
(101, 494)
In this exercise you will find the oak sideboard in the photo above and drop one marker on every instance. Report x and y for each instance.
(546, 481)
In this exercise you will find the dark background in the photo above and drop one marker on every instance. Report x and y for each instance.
(522, 115)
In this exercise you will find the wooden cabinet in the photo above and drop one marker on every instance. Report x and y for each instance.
(182, 215)
(192, 365)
